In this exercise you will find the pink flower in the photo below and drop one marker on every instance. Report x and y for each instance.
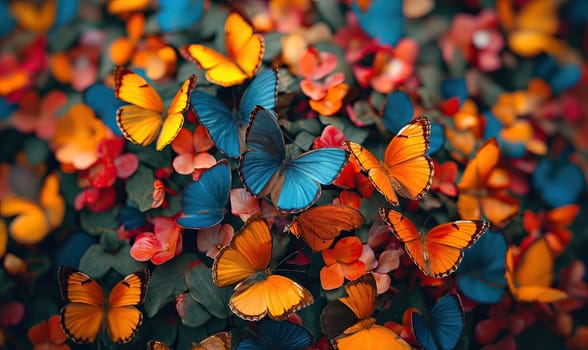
(161, 245)
(243, 204)
(211, 240)
(390, 67)
(476, 38)
(387, 261)
(192, 151)
(356, 43)
(39, 116)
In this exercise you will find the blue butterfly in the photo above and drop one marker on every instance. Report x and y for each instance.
(480, 275)
(204, 200)
(272, 334)
(558, 182)
(383, 20)
(101, 99)
(227, 128)
(175, 15)
(399, 110)
(445, 325)
(292, 183)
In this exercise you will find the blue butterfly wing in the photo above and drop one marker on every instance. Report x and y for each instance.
(304, 175)
(7, 22)
(567, 179)
(204, 200)
(218, 120)
(264, 154)
(383, 20)
(447, 321)
(175, 15)
(422, 332)
(6, 108)
(480, 275)
(437, 138)
(262, 92)
(101, 99)
(397, 112)
(65, 12)
(283, 335)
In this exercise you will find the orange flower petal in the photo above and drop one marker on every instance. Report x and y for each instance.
(347, 250)
(353, 270)
(331, 277)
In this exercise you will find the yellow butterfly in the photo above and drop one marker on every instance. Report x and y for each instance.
(144, 120)
(87, 311)
(244, 53)
(258, 292)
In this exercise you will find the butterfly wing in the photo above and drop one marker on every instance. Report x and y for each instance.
(242, 44)
(249, 252)
(262, 91)
(132, 88)
(156, 345)
(499, 208)
(410, 171)
(217, 341)
(445, 243)
(82, 317)
(175, 118)
(123, 318)
(407, 233)
(278, 335)
(375, 337)
(397, 112)
(445, 327)
(205, 199)
(530, 280)
(479, 168)
(320, 225)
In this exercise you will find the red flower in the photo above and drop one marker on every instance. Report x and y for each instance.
(342, 262)
(48, 335)
(161, 245)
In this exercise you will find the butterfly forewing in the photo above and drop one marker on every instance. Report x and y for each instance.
(132, 88)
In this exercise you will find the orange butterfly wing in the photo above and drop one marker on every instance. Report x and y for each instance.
(244, 49)
(320, 225)
(364, 334)
(123, 317)
(438, 252)
(406, 171)
(245, 261)
(218, 341)
(81, 318)
(531, 278)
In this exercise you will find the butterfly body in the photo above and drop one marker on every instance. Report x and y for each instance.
(405, 169)
(143, 121)
(439, 251)
(88, 311)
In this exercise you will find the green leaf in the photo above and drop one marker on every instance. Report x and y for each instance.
(189, 335)
(331, 11)
(304, 140)
(203, 290)
(167, 282)
(37, 150)
(311, 126)
(151, 157)
(97, 223)
(195, 314)
(95, 262)
(140, 188)
(123, 263)
(273, 45)
(109, 241)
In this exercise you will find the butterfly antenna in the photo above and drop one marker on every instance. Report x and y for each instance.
(425, 222)
(286, 258)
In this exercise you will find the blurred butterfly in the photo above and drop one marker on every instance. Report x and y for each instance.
(320, 225)
(532, 31)
(144, 121)
(438, 252)
(381, 19)
(227, 128)
(558, 173)
(480, 275)
(405, 171)
(283, 335)
(292, 183)
(348, 324)
(126, 6)
(33, 221)
(175, 15)
(259, 292)
(551, 224)
(481, 187)
(204, 200)
(87, 312)
(398, 111)
(529, 278)
(33, 17)
(217, 341)
(244, 53)
(102, 101)
(444, 327)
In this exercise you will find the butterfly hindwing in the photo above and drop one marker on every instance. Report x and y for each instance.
(272, 334)
(445, 326)
(205, 199)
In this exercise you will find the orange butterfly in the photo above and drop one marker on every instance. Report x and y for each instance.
(245, 262)
(244, 49)
(481, 187)
(348, 324)
(33, 17)
(87, 313)
(552, 224)
(33, 222)
(529, 279)
(218, 341)
(320, 225)
(143, 121)
(438, 252)
(406, 170)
